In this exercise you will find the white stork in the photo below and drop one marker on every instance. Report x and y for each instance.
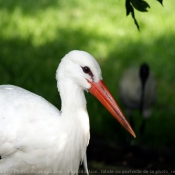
(37, 138)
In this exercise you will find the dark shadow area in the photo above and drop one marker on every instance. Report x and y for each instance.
(156, 150)
(159, 127)
(125, 156)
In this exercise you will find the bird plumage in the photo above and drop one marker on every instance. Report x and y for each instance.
(37, 138)
(30, 126)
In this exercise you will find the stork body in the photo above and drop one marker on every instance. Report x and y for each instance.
(35, 137)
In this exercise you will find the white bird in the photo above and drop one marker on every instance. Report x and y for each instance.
(37, 138)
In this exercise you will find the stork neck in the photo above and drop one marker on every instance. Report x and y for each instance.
(72, 97)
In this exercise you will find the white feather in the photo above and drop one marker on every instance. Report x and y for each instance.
(35, 137)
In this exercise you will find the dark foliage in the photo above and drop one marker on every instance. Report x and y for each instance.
(139, 5)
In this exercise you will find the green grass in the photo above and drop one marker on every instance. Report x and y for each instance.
(35, 35)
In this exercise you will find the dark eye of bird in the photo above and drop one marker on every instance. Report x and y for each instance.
(86, 69)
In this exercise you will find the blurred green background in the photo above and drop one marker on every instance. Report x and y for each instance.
(35, 35)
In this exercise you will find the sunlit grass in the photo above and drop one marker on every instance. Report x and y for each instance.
(35, 35)
(103, 19)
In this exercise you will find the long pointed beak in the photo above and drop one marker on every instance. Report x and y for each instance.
(101, 92)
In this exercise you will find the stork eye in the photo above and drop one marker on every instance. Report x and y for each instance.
(86, 69)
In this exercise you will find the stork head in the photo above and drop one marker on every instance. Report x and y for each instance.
(83, 69)
(79, 66)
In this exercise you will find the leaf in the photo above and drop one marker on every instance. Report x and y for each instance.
(161, 1)
(135, 21)
(130, 9)
(140, 5)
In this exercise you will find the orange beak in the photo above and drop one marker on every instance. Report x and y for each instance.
(101, 92)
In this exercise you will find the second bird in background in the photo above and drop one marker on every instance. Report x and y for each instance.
(137, 90)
